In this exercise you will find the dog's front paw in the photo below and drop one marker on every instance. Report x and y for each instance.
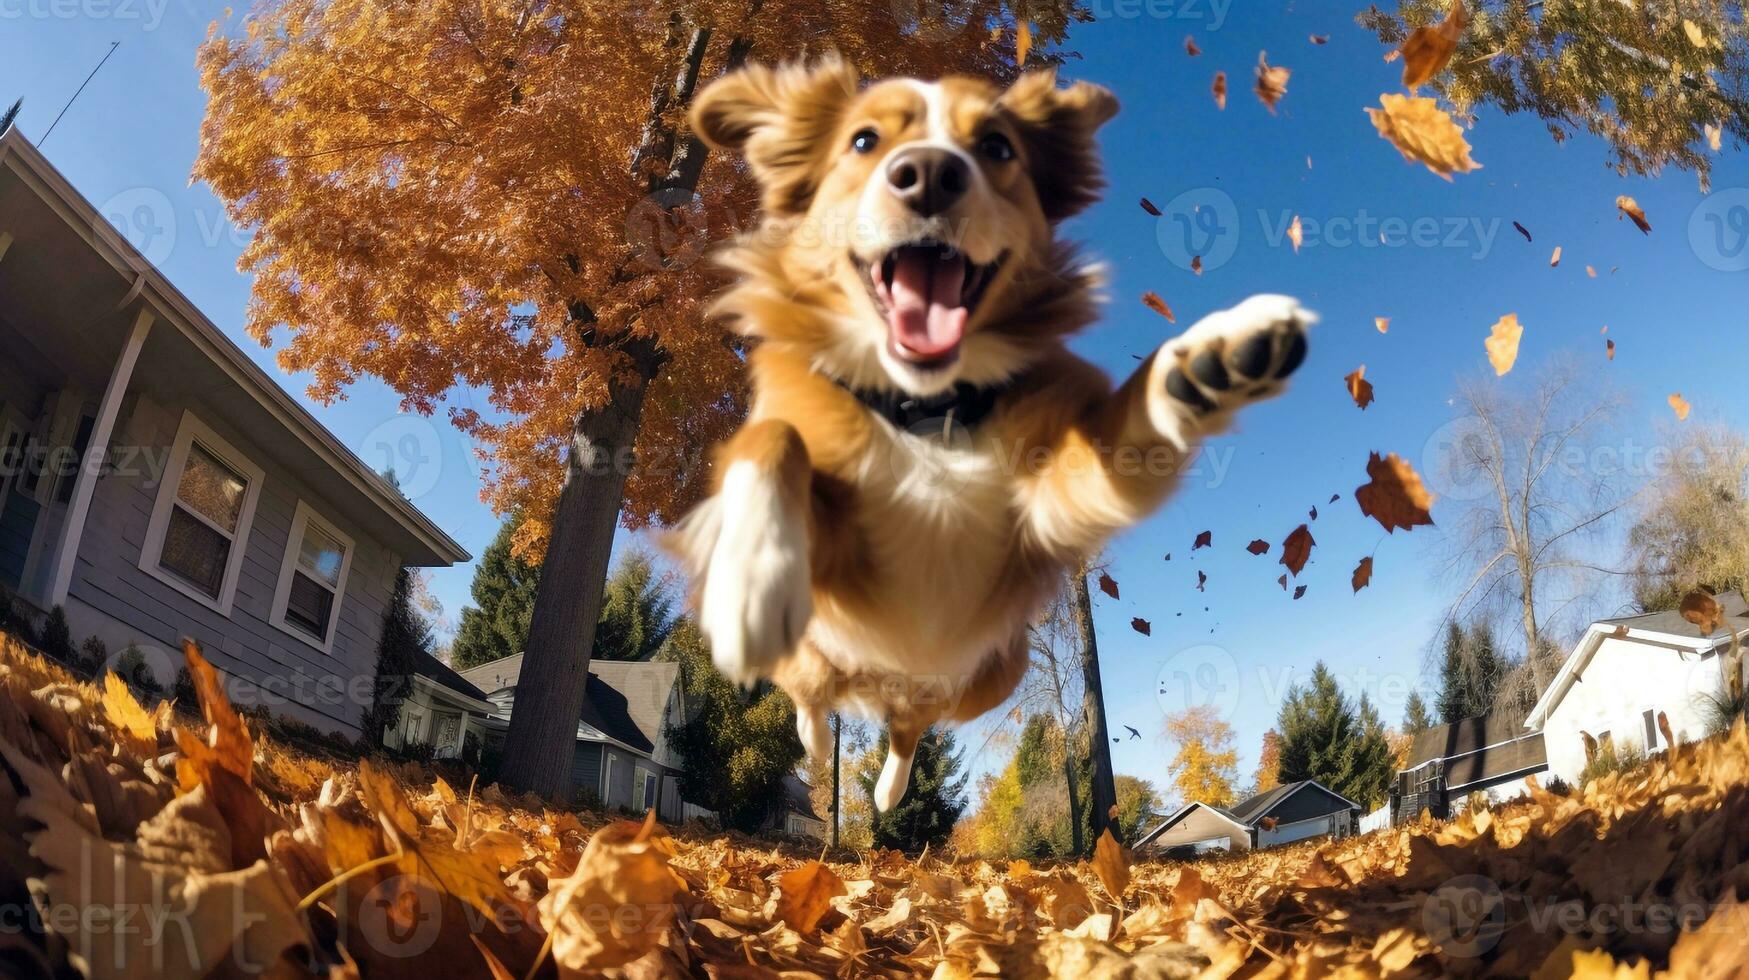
(757, 596)
(1228, 360)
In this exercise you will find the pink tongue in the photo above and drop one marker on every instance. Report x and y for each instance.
(926, 316)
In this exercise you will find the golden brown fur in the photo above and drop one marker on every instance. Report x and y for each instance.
(859, 565)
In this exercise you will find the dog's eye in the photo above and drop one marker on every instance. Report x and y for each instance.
(996, 147)
(865, 140)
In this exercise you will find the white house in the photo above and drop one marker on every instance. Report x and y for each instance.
(1622, 675)
(1492, 755)
(1287, 813)
(156, 483)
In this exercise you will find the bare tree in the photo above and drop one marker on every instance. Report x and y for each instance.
(1692, 530)
(1054, 686)
(1540, 485)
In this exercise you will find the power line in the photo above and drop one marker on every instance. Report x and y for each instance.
(112, 46)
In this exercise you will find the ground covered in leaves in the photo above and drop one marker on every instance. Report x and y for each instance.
(138, 843)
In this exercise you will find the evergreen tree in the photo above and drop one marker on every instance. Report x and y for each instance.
(1471, 673)
(496, 625)
(1415, 716)
(738, 745)
(406, 635)
(637, 611)
(932, 804)
(1341, 744)
(9, 115)
(1039, 755)
(1371, 764)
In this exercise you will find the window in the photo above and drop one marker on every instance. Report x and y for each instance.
(312, 579)
(644, 793)
(1650, 719)
(201, 520)
(70, 469)
(607, 778)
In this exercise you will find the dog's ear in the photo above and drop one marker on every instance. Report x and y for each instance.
(1057, 125)
(781, 120)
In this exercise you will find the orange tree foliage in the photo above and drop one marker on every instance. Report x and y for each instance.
(444, 195)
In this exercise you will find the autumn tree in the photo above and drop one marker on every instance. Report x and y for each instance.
(1268, 763)
(1205, 764)
(1654, 79)
(503, 198)
(1532, 492)
(1692, 529)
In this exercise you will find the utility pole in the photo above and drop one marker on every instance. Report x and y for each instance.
(837, 740)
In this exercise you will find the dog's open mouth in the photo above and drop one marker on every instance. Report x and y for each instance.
(927, 291)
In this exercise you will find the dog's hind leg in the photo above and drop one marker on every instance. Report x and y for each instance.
(896, 774)
(815, 732)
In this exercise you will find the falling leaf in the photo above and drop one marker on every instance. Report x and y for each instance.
(805, 894)
(1359, 388)
(1271, 81)
(1202, 580)
(1196, 264)
(1141, 626)
(1296, 549)
(1383, 323)
(1394, 495)
(1424, 133)
(1282, 582)
(1022, 41)
(1555, 259)
(1630, 209)
(1220, 90)
(1313, 513)
(228, 743)
(1296, 234)
(1680, 406)
(1299, 592)
(1715, 137)
(1429, 48)
(1258, 547)
(1204, 540)
(1696, 36)
(1362, 574)
(1609, 349)
(1111, 862)
(1335, 497)
(1149, 207)
(1589, 271)
(1108, 585)
(1320, 39)
(1522, 230)
(1153, 301)
(1190, 47)
(1502, 343)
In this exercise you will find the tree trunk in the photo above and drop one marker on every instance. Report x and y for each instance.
(567, 602)
(1104, 788)
(837, 792)
(1075, 838)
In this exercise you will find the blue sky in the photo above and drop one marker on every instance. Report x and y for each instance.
(1451, 266)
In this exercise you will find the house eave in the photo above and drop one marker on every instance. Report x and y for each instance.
(25, 160)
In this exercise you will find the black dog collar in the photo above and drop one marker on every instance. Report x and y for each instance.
(964, 404)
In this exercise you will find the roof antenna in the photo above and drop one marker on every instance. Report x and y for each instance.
(112, 46)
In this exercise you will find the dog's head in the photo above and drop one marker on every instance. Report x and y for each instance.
(909, 232)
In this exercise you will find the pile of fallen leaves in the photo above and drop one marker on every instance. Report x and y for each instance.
(137, 845)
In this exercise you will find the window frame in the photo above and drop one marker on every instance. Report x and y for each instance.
(189, 431)
(302, 517)
(607, 761)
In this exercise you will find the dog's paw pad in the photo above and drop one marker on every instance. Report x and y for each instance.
(1238, 355)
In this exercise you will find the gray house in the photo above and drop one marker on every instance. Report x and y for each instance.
(621, 757)
(1287, 813)
(157, 484)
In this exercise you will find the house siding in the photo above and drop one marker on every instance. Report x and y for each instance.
(1202, 825)
(123, 604)
(586, 768)
(1625, 678)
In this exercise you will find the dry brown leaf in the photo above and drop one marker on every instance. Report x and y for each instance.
(1362, 576)
(1142, 626)
(1204, 539)
(1428, 49)
(1153, 301)
(1202, 580)
(1700, 608)
(1680, 406)
(1258, 547)
(1424, 133)
(1271, 81)
(1111, 862)
(1359, 388)
(1190, 47)
(1522, 230)
(1502, 343)
(1196, 264)
(1220, 89)
(1022, 42)
(1555, 259)
(1319, 39)
(1715, 137)
(1394, 496)
(228, 743)
(1108, 585)
(1630, 209)
(134, 726)
(805, 894)
(1149, 207)
(1609, 349)
(1383, 323)
(1296, 549)
(1296, 234)
(623, 871)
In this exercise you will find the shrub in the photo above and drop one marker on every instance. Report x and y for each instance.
(131, 666)
(182, 691)
(1612, 759)
(57, 637)
(1558, 786)
(93, 654)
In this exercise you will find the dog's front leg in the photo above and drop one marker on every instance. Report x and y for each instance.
(1117, 459)
(752, 540)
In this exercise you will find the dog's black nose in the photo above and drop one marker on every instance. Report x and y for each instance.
(928, 179)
